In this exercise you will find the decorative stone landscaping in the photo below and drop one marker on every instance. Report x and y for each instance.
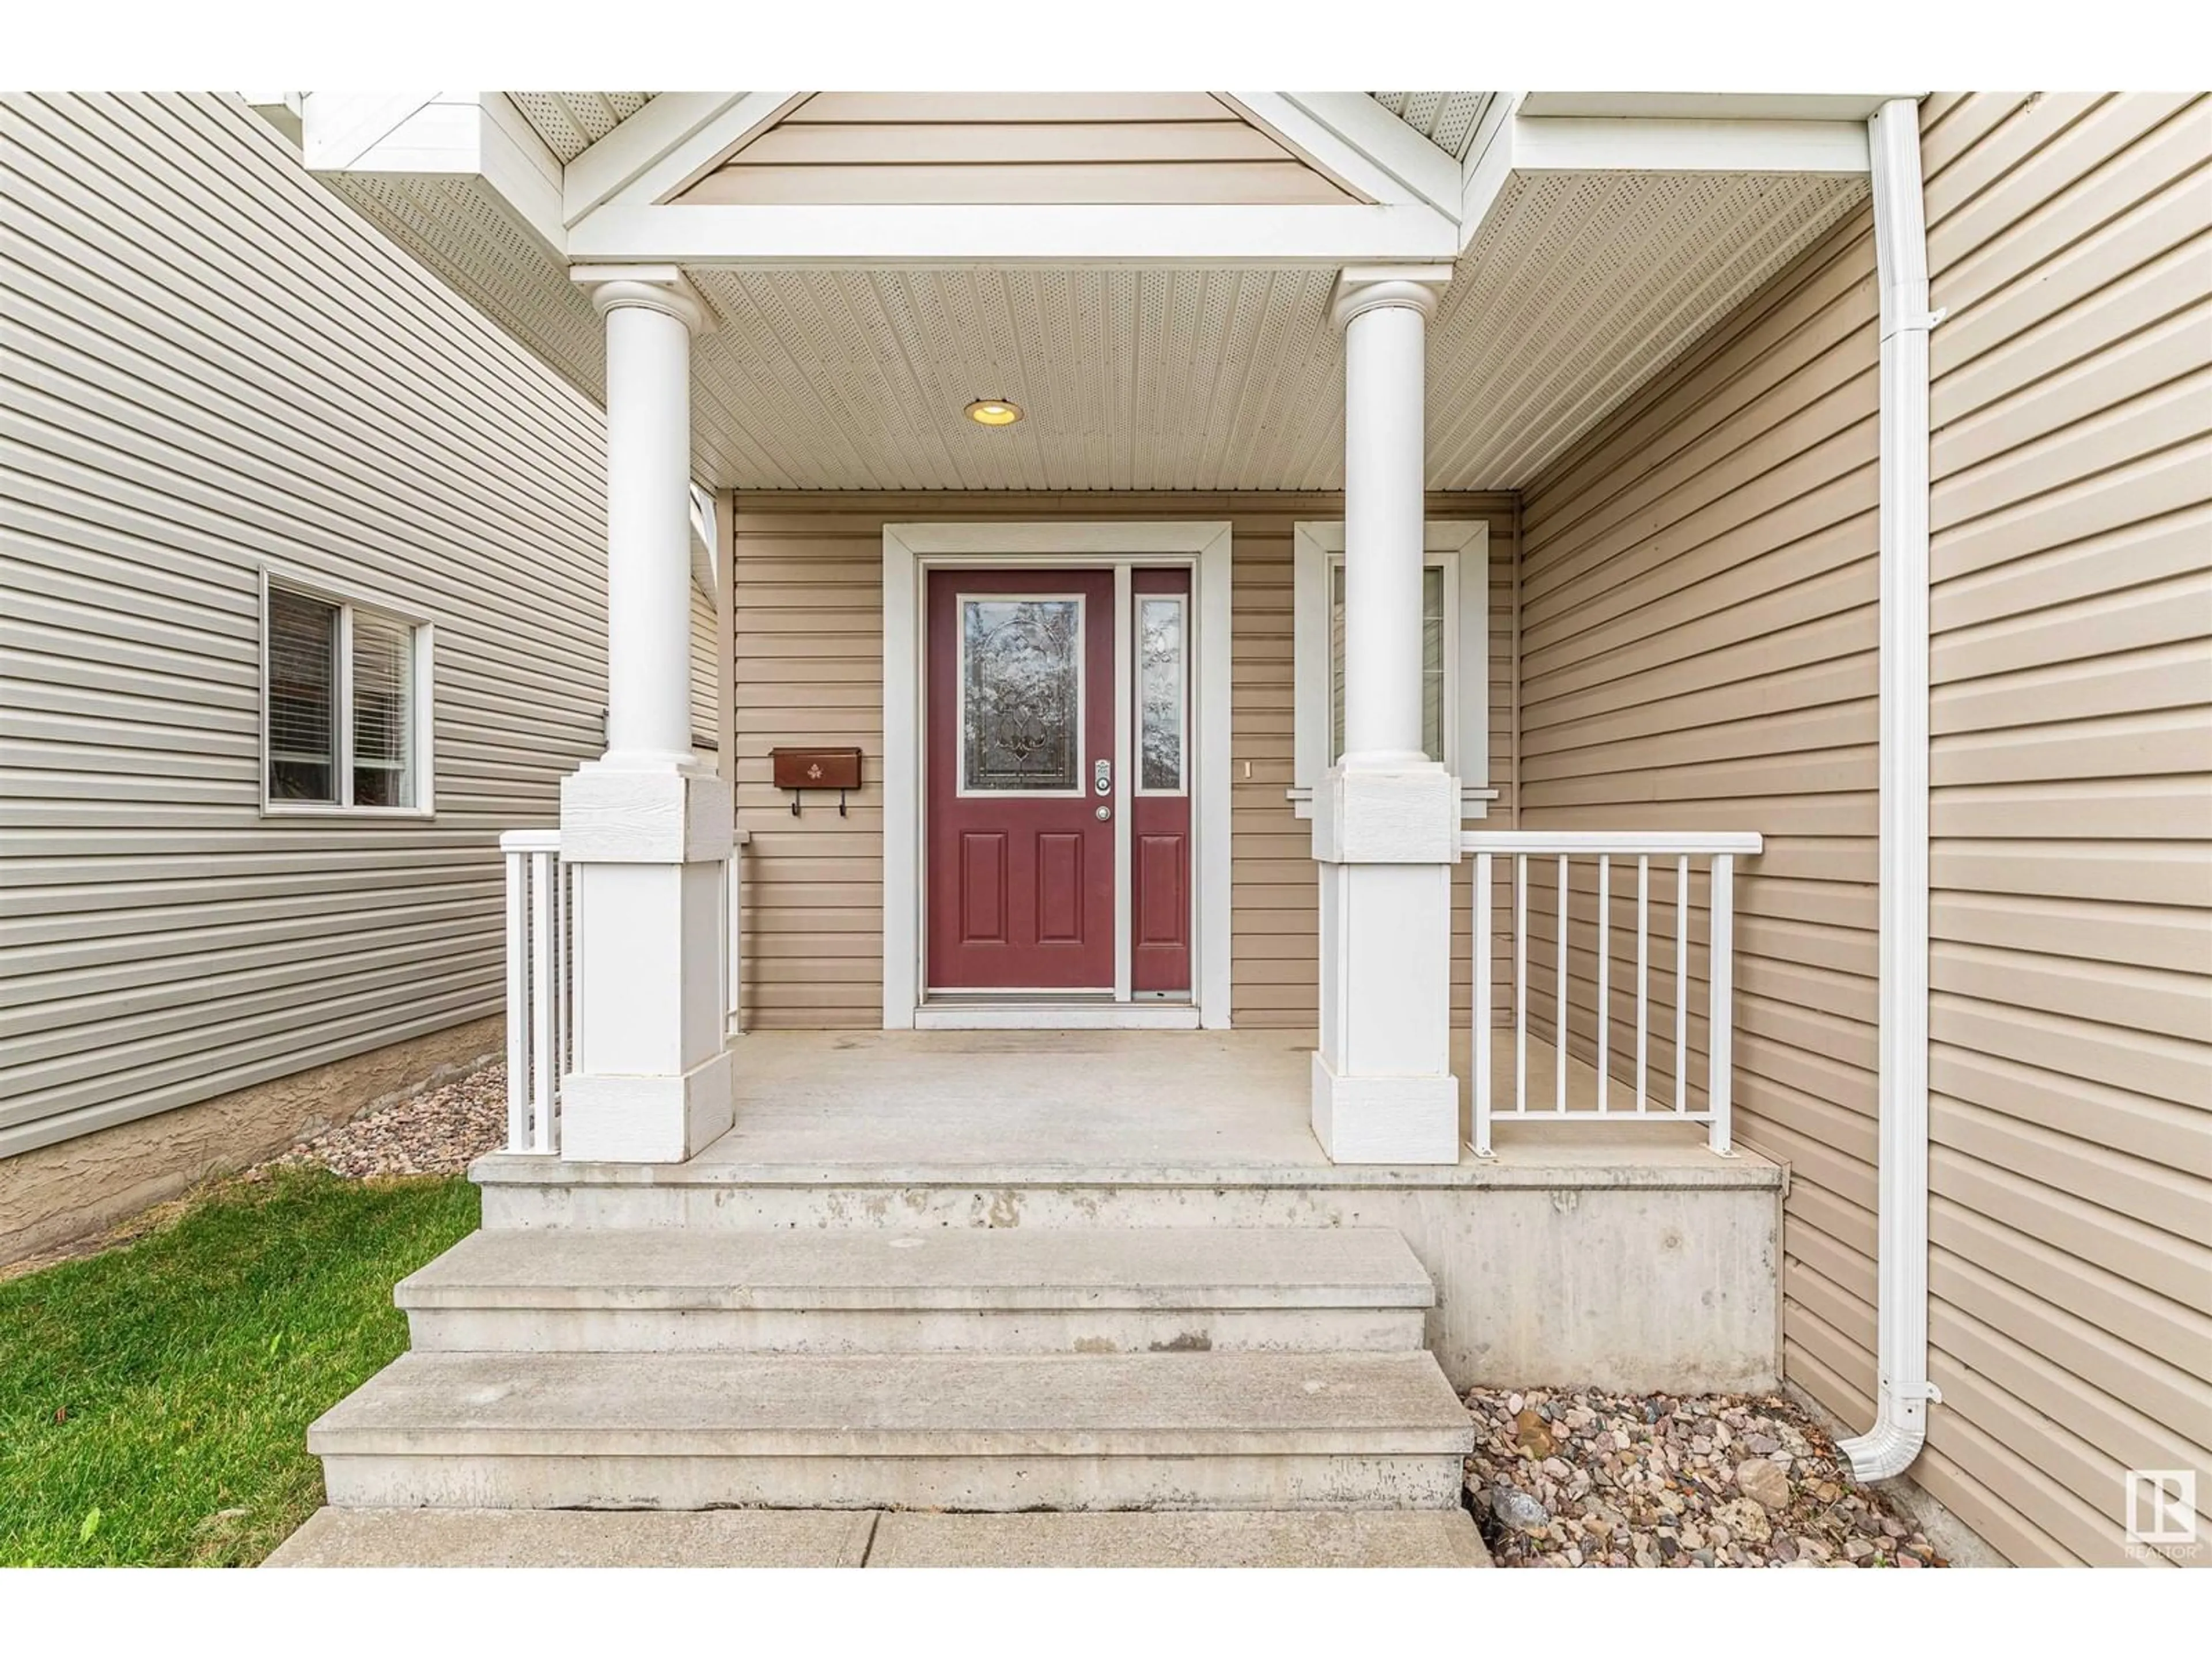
(439, 1131)
(1574, 1478)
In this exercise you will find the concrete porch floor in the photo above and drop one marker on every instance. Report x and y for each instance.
(1122, 1106)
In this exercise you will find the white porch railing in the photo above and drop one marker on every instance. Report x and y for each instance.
(544, 924)
(1603, 1095)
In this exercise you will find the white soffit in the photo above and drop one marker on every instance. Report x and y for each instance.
(1133, 378)
(457, 225)
(1447, 119)
(1581, 286)
(570, 123)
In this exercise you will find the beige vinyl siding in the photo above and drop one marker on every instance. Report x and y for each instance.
(809, 631)
(1698, 651)
(1700, 600)
(959, 146)
(211, 366)
(2070, 1015)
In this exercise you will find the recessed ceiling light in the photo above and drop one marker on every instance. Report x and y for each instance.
(994, 411)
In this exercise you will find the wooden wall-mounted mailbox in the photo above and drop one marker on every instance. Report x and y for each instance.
(801, 769)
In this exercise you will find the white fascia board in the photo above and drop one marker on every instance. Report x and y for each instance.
(658, 148)
(1563, 144)
(1714, 106)
(621, 234)
(479, 134)
(1352, 137)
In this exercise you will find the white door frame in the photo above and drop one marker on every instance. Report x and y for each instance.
(911, 549)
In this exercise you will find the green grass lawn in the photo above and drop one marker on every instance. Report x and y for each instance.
(154, 1399)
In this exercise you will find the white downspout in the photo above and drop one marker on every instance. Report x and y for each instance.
(1901, 240)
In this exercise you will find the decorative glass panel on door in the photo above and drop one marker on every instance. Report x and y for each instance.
(1021, 695)
(1160, 682)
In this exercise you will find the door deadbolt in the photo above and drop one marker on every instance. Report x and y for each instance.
(1102, 779)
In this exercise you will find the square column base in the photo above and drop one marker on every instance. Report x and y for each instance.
(645, 1119)
(1385, 1120)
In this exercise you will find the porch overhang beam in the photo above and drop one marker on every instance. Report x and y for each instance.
(916, 235)
(1524, 145)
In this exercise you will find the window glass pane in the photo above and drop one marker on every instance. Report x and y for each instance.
(1435, 671)
(1335, 664)
(1160, 692)
(1432, 662)
(303, 636)
(1021, 694)
(383, 712)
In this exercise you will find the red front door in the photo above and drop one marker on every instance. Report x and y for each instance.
(1021, 793)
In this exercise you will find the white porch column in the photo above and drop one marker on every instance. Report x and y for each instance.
(647, 829)
(1386, 818)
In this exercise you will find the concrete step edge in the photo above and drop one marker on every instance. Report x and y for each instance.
(1017, 1268)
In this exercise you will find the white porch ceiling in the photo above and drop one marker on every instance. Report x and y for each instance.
(1579, 290)
(1585, 278)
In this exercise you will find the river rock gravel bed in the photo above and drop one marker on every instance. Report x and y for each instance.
(1581, 1478)
(441, 1131)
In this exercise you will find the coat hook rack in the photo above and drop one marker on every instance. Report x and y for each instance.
(801, 769)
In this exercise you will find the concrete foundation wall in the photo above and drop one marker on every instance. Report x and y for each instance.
(53, 1195)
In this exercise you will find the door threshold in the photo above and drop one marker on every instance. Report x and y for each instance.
(1040, 1016)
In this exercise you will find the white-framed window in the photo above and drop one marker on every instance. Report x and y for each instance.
(345, 704)
(1454, 649)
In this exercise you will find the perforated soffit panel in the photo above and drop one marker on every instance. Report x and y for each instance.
(1580, 289)
(570, 123)
(1446, 120)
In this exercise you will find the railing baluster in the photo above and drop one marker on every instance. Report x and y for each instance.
(571, 981)
(541, 1007)
(1720, 1013)
(1481, 944)
(1681, 983)
(544, 992)
(517, 1001)
(1519, 983)
(554, 952)
(1491, 850)
(1643, 977)
(1559, 1000)
(1604, 975)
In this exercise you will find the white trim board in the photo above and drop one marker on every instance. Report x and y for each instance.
(1463, 547)
(908, 550)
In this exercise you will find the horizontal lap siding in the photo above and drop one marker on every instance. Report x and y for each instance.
(809, 626)
(211, 364)
(1700, 602)
(1698, 651)
(2070, 1019)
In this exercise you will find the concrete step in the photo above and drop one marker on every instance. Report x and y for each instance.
(855, 1538)
(949, 1431)
(1018, 1290)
